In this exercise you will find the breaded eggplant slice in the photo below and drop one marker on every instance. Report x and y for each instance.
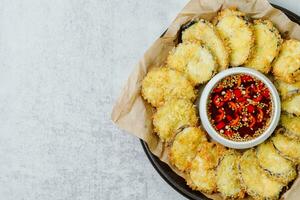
(206, 33)
(162, 84)
(237, 32)
(276, 166)
(195, 60)
(286, 67)
(292, 105)
(228, 12)
(254, 180)
(174, 114)
(184, 147)
(228, 182)
(202, 176)
(287, 89)
(291, 126)
(266, 46)
(287, 147)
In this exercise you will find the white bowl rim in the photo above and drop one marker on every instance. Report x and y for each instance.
(203, 108)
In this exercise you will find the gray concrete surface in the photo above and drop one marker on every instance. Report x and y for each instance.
(62, 65)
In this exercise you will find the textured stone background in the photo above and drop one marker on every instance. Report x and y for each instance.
(63, 64)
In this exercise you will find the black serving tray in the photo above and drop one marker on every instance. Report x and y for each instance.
(175, 181)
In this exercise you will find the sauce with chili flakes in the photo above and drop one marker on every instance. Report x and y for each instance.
(240, 107)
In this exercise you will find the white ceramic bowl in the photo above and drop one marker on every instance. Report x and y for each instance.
(204, 116)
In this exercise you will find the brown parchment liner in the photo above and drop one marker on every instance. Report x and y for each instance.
(132, 114)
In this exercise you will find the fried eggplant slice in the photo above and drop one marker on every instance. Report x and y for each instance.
(254, 180)
(204, 32)
(287, 147)
(202, 176)
(228, 12)
(291, 126)
(237, 32)
(287, 65)
(162, 84)
(228, 182)
(174, 114)
(276, 166)
(292, 105)
(266, 46)
(195, 60)
(287, 90)
(184, 147)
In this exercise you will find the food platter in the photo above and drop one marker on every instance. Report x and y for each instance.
(178, 183)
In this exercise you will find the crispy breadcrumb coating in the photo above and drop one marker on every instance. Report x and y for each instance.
(291, 125)
(292, 105)
(173, 115)
(255, 181)
(287, 90)
(206, 33)
(193, 59)
(162, 84)
(287, 147)
(184, 147)
(276, 166)
(287, 65)
(237, 32)
(202, 176)
(266, 46)
(228, 182)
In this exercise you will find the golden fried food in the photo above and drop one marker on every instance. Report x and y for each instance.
(230, 40)
(292, 105)
(228, 12)
(206, 33)
(193, 59)
(202, 176)
(266, 46)
(162, 84)
(291, 125)
(235, 30)
(184, 147)
(228, 182)
(255, 181)
(173, 115)
(287, 89)
(276, 166)
(287, 147)
(287, 65)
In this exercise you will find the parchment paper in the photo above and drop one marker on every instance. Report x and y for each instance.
(132, 114)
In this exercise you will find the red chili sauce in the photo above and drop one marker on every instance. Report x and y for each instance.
(240, 107)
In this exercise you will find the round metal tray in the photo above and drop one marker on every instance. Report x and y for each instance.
(175, 181)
